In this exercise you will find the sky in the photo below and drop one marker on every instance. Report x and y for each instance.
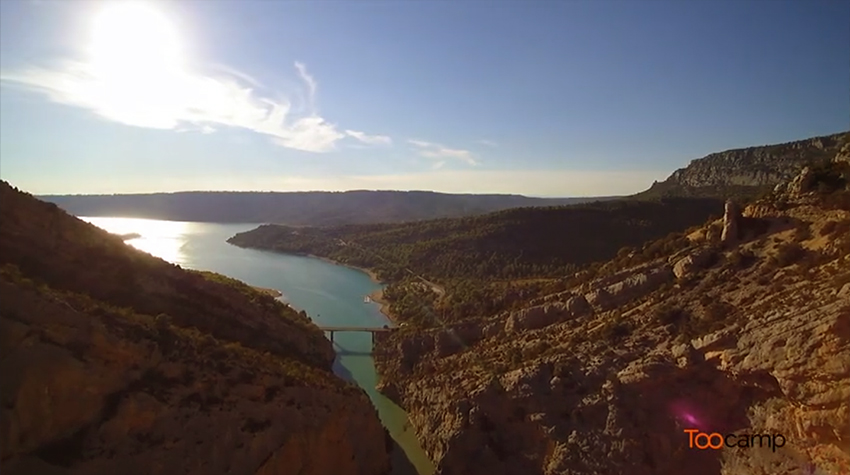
(541, 98)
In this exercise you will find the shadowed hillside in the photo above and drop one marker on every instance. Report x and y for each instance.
(314, 208)
(473, 257)
(118, 362)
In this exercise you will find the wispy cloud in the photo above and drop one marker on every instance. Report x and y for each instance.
(145, 90)
(488, 143)
(308, 79)
(169, 101)
(440, 152)
(369, 139)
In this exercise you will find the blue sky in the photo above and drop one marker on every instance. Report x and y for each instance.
(548, 98)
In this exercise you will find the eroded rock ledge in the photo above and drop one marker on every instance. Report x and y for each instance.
(752, 336)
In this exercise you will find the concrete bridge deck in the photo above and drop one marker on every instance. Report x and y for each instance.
(372, 330)
(355, 329)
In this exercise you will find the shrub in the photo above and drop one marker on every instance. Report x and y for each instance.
(669, 314)
(802, 231)
(828, 228)
(842, 228)
(741, 259)
(838, 200)
(829, 177)
(615, 331)
(788, 254)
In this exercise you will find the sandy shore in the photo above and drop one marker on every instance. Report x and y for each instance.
(378, 297)
(273, 292)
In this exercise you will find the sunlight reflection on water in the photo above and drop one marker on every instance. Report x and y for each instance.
(163, 239)
(307, 281)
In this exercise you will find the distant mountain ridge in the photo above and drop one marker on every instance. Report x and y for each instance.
(310, 208)
(746, 172)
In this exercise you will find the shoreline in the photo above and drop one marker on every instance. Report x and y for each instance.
(268, 291)
(377, 296)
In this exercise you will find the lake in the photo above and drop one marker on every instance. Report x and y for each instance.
(329, 293)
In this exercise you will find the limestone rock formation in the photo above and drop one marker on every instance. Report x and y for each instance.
(748, 170)
(731, 223)
(691, 263)
(802, 183)
(635, 283)
(844, 154)
(755, 340)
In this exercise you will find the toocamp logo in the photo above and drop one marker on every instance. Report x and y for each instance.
(702, 440)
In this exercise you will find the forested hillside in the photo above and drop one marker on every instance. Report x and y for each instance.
(486, 262)
(309, 208)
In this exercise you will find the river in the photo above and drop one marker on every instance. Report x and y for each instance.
(331, 294)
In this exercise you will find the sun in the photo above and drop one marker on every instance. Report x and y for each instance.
(133, 35)
(135, 58)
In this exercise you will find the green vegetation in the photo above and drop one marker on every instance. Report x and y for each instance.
(489, 263)
(310, 208)
(74, 261)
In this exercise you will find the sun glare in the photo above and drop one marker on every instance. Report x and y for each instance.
(135, 53)
(131, 36)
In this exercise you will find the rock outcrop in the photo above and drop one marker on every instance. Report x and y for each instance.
(731, 223)
(753, 338)
(115, 362)
(748, 171)
(692, 263)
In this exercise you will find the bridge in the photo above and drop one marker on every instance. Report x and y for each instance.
(332, 329)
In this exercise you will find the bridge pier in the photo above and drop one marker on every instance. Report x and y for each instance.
(372, 330)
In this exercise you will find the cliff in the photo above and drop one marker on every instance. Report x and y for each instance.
(114, 361)
(740, 332)
(748, 171)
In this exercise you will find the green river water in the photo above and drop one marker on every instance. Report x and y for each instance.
(330, 294)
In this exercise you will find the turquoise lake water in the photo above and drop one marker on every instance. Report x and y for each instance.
(329, 293)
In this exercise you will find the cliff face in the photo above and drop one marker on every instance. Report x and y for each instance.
(750, 335)
(117, 362)
(748, 170)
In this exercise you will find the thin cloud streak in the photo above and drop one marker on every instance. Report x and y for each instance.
(369, 139)
(308, 79)
(440, 152)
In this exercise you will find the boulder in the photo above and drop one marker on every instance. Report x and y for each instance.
(691, 263)
(802, 183)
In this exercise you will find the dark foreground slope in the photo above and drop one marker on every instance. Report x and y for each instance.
(114, 361)
(314, 208)
(745, 336)
(747, 172)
